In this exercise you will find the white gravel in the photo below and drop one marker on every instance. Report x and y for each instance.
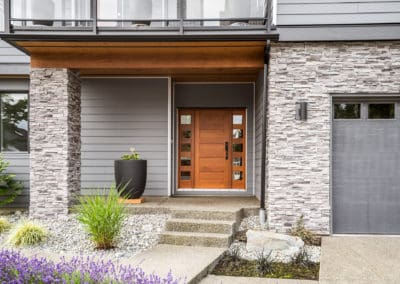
(67, 235)
(253, 223)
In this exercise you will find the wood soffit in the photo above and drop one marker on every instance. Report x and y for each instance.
(184, 60)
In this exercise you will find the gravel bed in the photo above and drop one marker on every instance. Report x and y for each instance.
(67, 235)
(253, 223)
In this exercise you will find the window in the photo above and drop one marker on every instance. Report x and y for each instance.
(14, 122)
(347, 111)
(381, 111)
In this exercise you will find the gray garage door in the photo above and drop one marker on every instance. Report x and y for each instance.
(366, 166)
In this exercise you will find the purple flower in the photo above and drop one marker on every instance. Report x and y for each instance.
(18, 269)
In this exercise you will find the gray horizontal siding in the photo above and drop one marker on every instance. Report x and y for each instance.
(258, 132)
(313, 12)
(118, 114)
(12, 60)
(19, 165)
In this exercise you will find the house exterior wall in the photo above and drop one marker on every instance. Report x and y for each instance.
(317, 12)
(298, 151)
(258, 131)
(13, 61)
(337, 20)
(118, 114)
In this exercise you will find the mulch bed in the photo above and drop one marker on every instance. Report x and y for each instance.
(232, 266)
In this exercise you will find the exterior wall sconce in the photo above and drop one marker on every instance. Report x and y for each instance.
(301, 111)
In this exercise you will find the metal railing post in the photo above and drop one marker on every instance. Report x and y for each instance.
(94, 15)
(7, 16)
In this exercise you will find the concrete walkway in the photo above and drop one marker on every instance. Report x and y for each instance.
(360, 260)
(213, 279)
(190, 263)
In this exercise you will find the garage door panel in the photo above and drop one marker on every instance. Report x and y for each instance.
(366, 175)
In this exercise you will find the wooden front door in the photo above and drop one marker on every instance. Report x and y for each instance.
(212, 148)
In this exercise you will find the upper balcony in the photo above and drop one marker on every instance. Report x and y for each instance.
(137, 19)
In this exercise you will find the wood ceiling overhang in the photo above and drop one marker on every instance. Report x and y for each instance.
(185, 61)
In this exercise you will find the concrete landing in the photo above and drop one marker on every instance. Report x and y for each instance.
(360, 260)
(190, 263)
(163, 205)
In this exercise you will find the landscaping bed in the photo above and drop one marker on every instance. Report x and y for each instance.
(67, 235)
(241, 262)
(231, 266)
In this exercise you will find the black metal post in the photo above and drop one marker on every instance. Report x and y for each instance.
(7, 16)
(264, 125)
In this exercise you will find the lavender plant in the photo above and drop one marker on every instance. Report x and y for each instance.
(16, 268)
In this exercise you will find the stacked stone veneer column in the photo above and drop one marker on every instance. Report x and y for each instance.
(55, 143)
(299, 152)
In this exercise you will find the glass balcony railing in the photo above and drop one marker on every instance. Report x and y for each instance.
(133, 15)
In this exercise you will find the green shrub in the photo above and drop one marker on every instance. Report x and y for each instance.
(27, 233)
(299, 230)
(9, 187)
(4, 225)
(102, 217)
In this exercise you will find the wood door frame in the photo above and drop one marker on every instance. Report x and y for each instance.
(242, 187)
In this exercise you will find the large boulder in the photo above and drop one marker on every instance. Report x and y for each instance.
(265, 242)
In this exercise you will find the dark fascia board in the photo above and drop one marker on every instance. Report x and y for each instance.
(124, 37)
(362, 32)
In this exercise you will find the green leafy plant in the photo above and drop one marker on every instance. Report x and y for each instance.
(102, 217)
(27, 233)
(4, 225)
(264, 263)
(133, 155)
(299, 230)
(9, 187)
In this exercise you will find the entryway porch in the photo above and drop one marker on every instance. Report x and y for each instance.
(199, 221)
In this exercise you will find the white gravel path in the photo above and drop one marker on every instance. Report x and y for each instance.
(67, 235)
(253, 223)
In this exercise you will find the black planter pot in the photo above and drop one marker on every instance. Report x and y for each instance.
(133, 175)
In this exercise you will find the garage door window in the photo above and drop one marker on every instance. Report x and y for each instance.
(381, 111)
(347, 111)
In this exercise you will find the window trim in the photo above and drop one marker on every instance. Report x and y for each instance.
(16, 92)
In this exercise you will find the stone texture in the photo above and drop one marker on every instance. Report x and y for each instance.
(55, 144)
(298, 151)
(266, 242)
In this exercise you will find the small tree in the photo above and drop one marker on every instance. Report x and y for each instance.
(9, 187)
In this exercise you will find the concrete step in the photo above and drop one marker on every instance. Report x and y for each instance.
(195, 239)
(200, 226)
(207, 215)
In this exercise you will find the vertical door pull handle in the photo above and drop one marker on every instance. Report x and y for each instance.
(226, 150)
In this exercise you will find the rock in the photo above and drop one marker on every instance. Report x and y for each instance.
(266, 242)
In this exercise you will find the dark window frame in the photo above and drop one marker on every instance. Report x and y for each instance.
(14, 92)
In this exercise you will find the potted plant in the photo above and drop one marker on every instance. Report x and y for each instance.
(43, 11)
(142, 10)
(131, 174)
